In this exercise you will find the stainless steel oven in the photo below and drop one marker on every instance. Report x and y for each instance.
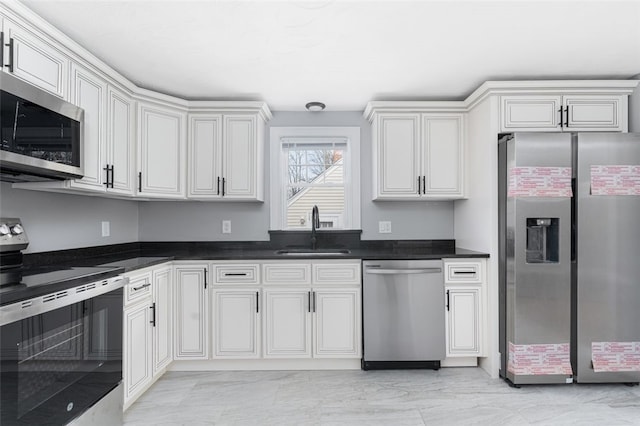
(61, 353)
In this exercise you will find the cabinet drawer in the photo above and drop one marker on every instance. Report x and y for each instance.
(236, 274)
(139, 288)
(463, 272)
(336, 273)
(286, 273)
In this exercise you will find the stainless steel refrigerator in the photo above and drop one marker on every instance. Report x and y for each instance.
(569, 233)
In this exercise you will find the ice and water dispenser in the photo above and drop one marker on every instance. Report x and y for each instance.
(543, 243)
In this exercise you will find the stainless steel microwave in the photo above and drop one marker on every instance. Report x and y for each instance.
(41, 134)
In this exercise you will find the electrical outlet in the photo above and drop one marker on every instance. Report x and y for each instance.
(106, 229)
(226, 226)
(384, 227)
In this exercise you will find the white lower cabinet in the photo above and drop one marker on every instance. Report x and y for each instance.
(312, 323)
(336, 323)
(137, 369)
(162, 319)
(465, 323)
(274, 310)
(147, 349)
(191, 307)
(236, 323)
(287, 325)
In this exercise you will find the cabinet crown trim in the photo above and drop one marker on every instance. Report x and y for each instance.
(524, 87)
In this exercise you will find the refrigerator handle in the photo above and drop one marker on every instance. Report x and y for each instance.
(574, 241)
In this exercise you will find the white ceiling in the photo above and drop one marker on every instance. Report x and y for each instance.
(346, 53)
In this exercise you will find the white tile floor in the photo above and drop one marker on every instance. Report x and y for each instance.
(450, 396)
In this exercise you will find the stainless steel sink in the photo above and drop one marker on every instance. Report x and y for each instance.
(312, 253)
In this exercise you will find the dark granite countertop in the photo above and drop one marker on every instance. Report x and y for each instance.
(122, 258)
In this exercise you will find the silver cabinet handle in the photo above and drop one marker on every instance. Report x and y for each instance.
(141, 287)
(404, 271)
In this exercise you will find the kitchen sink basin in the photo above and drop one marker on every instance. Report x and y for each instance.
(312, 253)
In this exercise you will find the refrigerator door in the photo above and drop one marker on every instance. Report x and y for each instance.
(608, 261)
(535, 280)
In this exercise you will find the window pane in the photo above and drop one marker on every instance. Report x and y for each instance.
(315, 177)
(330, 202)
(293, 190)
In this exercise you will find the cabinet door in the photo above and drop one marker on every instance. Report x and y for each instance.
(120, 142)
(336, 323)
(162, 330)
(287, 325)
(534, 113)
(443, 137)
(236, 323)
(205, 156)
(160, 152)
(586, 113)
(191, 311)
(137, 369)
(463, 321)
(240, 151)
(35, 61)
(396, 156)
(89, 92)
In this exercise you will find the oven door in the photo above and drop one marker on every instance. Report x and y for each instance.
(56, 364)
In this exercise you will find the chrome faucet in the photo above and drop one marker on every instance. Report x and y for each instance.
(315, 224)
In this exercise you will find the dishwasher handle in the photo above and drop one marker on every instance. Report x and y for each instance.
(401, 271)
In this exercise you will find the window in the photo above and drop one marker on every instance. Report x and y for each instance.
(315, 166)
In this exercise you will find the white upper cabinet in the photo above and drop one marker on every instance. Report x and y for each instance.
(29, 57)
(89, 92)
(398, 164)
(205, 156)
(120, 151)
(243, 158)
(226, 156)
(564, 113)
(161, 146)
(442, 142)
(418, 156)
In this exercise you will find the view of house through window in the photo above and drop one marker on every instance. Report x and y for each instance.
(315, 176)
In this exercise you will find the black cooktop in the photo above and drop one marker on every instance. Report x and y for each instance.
(44, 280)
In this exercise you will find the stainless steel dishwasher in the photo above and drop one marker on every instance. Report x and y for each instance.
(403, 314)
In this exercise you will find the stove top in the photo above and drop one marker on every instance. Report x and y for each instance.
(39, 281)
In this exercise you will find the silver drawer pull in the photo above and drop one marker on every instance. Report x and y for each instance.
(141, 287)
(404, 271)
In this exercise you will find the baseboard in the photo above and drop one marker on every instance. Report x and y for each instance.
(265, 364)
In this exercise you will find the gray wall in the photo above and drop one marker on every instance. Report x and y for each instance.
(61, 221)
(202, 221)
(634, 109)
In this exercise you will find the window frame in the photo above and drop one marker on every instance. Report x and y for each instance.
(279, 178)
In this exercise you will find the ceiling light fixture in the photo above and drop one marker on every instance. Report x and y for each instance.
(315, 106)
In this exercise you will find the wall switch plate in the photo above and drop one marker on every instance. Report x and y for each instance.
(384, 227)
(106, 229)
(226, 226)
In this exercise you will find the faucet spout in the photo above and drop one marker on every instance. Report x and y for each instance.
(315, 224)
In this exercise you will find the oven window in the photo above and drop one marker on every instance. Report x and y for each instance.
(37, 132)
(57, 364)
